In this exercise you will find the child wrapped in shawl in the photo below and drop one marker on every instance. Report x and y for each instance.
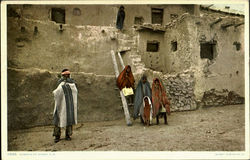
(146, 111)
(159, 100)
(143, 89)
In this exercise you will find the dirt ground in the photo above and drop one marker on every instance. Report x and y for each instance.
(206, 129)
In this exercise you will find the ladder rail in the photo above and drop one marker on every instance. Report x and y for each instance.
(121, 61)
(124, 102)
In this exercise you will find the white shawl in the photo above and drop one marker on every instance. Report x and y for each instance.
(60, 104)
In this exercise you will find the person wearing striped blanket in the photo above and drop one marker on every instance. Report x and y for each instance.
(65, 110)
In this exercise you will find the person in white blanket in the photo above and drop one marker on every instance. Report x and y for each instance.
(65, 111)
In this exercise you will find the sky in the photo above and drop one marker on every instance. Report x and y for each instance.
(239, 7)
(234, 8)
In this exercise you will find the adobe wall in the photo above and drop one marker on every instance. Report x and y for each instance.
(188, 78)
(31, 102)
(104, 15)
(226, 70)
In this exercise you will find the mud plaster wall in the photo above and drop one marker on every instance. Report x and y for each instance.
(226, 71)
(222, 73)
(179, 60)
(85, 49)
(31, 92)
(104, 15)
(34, 60)
(152, 60)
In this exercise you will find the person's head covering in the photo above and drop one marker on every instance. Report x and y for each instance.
(149, 101)
(144, 76)
(123, 81)
(159, 97)
(121, 7)
(65, 72)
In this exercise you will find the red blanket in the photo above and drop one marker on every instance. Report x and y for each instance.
(125, 79)
(159, 97)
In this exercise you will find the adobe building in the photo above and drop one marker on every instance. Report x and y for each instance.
(197, 52)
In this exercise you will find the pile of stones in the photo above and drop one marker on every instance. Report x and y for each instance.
(220, 98)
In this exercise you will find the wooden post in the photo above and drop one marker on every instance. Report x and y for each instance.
(124, 102)
(121, 61)
(224, 26)
(215, 22)
(237, 25)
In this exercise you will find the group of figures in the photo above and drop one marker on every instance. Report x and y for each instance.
(148, 103)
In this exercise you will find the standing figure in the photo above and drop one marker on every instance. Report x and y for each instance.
(143, 89)
(65, 111)
(161, 105)
(126, 80)
(146, 111)
(120, 18)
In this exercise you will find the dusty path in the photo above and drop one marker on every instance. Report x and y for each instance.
(211, 129)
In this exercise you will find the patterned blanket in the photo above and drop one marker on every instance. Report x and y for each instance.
(65, 111)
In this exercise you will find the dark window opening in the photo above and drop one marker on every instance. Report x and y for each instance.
(23, 29)
(152, 46)
(35, 30)
(58, 15)
(138, 20)
(76, 12)
(207, 50)
(157, 16)
(12, 12)
(237, 45)
(174, 46)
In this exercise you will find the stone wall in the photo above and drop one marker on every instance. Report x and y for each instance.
(223, 97)
(180, 89)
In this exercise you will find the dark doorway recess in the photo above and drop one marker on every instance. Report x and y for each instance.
(157, 16)
(208, 50)
(58, 15)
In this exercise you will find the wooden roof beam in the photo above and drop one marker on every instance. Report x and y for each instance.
(226, 25)
(216, 21)
(237, 25)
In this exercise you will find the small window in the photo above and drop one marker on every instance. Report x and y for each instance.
(58, 15)
(157, 16)
(152, 46)
(76, 12)
(138, 20)
(237, 45)
(174, 46)
(207, 50)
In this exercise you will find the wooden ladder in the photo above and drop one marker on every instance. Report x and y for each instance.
(124, 102)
